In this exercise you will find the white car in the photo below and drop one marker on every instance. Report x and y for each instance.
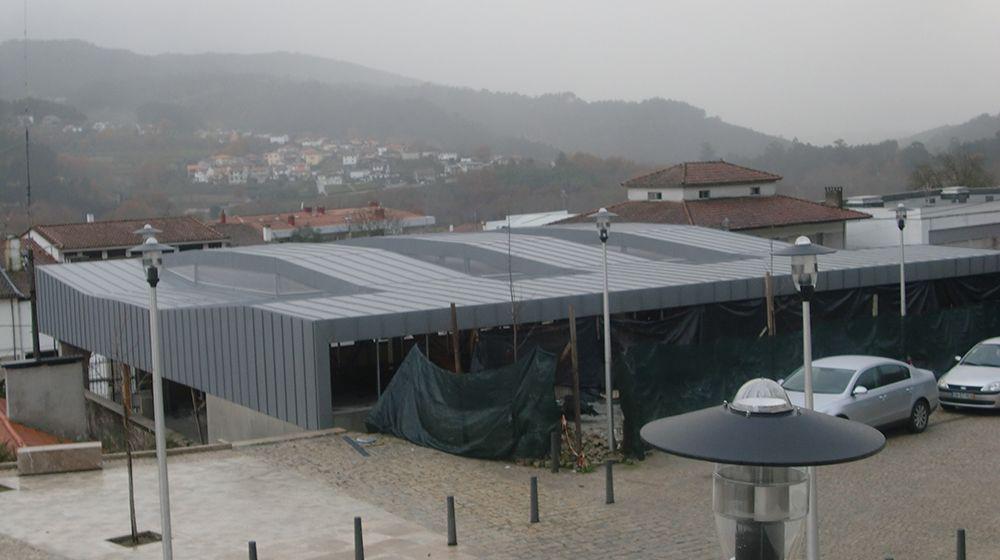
(871, 390)
(974, 382)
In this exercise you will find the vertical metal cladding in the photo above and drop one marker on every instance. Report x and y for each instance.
(259, 359)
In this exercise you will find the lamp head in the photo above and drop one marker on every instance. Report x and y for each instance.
(603, 220)
(151, 251)
(147, 231)
(805, 267)
(901, 216)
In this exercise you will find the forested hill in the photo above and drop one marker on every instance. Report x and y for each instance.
(298, 93)
(943, 137)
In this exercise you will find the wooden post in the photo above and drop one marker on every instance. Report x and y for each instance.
(769, 294)
(455, 340)
(575, 358)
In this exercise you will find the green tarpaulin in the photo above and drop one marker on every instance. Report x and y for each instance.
(492, 414)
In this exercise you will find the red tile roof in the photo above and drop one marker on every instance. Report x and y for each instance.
(240, 235)
(118, 233)
(700, 173)
(16, 435)
(745, 212)
(319, 218)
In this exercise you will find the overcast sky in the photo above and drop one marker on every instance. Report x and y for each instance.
(860, 70)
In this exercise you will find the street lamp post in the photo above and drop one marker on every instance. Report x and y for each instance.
(805, 275)
(759, 444)
(901, 224)
(603, 219)
(152, 258)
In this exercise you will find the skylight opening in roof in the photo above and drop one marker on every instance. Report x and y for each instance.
(243, 280)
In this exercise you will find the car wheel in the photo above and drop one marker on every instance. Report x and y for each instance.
(919, 416)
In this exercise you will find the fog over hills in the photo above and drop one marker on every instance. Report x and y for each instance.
(300, 93)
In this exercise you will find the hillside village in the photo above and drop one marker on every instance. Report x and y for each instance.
(334, 166)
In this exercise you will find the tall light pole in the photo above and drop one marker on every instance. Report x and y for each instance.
(805, 274)
(901, 224)
(603, 219)
(152, 258)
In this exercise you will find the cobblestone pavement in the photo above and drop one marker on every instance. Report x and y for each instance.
(907, 501)
(11, 549)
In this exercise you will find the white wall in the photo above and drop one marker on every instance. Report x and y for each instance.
(882, 231)
(15, 330)
(677, 194)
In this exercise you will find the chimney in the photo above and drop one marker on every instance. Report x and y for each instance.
(222, 216)
(291, 220)
(90, 218)
(268, 234)
(12, 254)
(373, 204)
(321, 210)
(834, 197)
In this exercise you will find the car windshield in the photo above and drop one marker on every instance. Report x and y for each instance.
(825, 380)
(983, 355)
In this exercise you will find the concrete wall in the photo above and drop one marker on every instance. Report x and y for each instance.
(232, 422)
(104, 420)
(47, 394)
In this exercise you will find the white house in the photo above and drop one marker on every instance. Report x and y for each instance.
(349, 160)
(15, 307)
(324, 181)
(954, 216)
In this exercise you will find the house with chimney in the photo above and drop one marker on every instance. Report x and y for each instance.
(723, 195)
(111, 239)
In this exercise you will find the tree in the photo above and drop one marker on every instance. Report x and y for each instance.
(957, 167)
(707, 152)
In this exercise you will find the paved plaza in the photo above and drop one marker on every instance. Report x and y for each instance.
(298, 499)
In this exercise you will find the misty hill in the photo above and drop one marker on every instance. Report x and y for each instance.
(942, 137)
(62, 68)
(653, 131)
(299, 93)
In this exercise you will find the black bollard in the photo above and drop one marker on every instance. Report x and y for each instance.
(609, 483)
(534, 499)
(960, 545)
(359, 545)
(253, 550)
(555, 439)
(452, 535)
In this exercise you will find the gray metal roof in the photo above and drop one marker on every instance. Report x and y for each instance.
(273, 310)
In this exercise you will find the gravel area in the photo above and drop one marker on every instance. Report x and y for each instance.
(906, 502)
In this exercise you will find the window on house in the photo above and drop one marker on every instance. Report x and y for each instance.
(703, 194)
(652, 195)
(754, 191)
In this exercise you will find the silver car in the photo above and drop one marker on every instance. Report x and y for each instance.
(974, 382)
(872, 390)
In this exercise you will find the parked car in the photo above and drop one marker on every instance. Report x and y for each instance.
(974, 382)
(871, 390)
